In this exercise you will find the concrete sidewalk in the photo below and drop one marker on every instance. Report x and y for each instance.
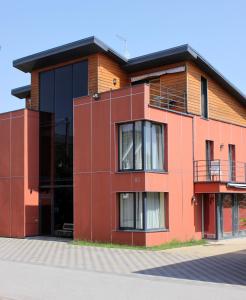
(222, 262)
(50, 269)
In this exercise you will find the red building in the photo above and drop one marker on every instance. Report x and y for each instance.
(138, 151)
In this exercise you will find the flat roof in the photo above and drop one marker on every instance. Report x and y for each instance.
(22, 92)
(93, 45)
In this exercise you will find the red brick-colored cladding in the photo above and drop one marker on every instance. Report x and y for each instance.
(19, 173)
(222, 134)
(97, 182)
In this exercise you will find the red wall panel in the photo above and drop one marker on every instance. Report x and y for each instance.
(18, 180)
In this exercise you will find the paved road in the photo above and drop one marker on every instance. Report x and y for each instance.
(43, 269)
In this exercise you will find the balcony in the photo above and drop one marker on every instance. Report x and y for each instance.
(220, 171)
(164, 97)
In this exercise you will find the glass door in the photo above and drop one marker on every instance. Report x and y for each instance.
(241, 203)
(227, 213)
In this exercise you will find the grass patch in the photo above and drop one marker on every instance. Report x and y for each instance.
(170, 245)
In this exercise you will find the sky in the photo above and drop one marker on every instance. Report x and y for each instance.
(215, 28)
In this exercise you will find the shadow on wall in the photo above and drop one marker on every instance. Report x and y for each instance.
(227, 268)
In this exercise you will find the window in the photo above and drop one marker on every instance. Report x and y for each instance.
(204, 97)
(58, 87)
(231, 159)
(126, 147)
(141, 146)
(142, 211)
(211, 165)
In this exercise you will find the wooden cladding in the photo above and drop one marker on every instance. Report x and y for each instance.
(221, 105)
(103, 74)
(92, 78)
(110, 74)
(173, 81)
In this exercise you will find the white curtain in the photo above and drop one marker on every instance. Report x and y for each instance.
(138, 145)
(155, 210)
(157, 147)
(148, 146)
(139, 210)
(154, 146)
(127, 210)
(126, 146)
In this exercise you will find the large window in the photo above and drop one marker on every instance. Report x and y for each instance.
(141, 146)
(57, 89)
(143, 211)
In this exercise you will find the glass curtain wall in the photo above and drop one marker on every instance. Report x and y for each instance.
(58, 87)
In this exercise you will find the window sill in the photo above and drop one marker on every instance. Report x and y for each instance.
(141, 171)
(143, 231)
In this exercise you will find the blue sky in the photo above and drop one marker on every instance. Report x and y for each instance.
(216, 29)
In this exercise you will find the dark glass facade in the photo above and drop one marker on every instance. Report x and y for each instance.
(58, 87)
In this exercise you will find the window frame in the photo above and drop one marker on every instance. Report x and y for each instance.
(143, 150)
(144, 212)
(203, 115)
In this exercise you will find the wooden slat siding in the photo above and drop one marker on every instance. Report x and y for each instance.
(175, 81)
(92, 78)
(108, 70)
(152, 70)
(221, 105)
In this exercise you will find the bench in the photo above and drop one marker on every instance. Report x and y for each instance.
(66, 231)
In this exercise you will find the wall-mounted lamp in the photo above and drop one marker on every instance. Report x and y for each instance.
(194, 200)
(221, 146)
(114, 81)
(96, 96)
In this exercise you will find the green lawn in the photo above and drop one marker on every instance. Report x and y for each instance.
(170, 245)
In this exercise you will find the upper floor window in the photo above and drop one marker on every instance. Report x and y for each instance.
(231, 160)
(141, 146)
(204, 97)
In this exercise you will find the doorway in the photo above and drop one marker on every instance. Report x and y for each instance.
(55, 210)
(231, 215)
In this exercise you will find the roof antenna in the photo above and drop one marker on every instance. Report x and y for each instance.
(126, 52)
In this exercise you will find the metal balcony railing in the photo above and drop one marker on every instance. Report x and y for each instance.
(218, 170)
(167, 98)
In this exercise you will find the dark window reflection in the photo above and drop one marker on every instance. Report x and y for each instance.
(58, 88)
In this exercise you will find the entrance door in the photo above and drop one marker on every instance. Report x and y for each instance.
(209, 216)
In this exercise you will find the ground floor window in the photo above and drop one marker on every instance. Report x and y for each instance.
(142, 211)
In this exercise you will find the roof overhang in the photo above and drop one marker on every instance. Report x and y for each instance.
(22, 92)
(180, 54)
(93, 45)
(65, 53)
